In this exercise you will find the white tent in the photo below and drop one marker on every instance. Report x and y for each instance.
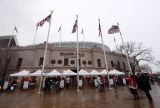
(94, 72)
(104, 72)
(116, 72)
(69, 73)
(21, 73)
(83, 72)
(54, 73)
(37, 73)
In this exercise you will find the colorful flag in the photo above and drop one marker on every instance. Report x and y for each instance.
(59, 28)
(82, 31)
(15, 28)
(40, 23)
(113, 29)
(99, 29)
(74, 27)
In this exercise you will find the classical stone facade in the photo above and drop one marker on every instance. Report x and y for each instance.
(61, 58)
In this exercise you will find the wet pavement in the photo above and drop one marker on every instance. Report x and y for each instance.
(88, 97)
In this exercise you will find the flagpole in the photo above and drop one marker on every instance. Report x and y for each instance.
(11, 37)
(77, 58)
(35, 35)
(59, 38)
(105, 57)
(125, 50)
(45, 52)
(83, 39)
(115, 42)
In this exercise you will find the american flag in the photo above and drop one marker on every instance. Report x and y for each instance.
(74, 27)
(40, 23)
(113, 29)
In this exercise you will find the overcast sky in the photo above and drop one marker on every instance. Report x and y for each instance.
(139, 20)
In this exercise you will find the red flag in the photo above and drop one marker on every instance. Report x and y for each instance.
(40, 23)
(74, 27)
(113, 29)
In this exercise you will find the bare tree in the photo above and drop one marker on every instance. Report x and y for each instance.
(145, 68)
(136, 53)
(157, 63)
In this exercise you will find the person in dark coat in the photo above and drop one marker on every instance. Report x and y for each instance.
(145, 86)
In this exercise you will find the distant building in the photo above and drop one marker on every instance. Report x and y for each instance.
(61, 58)
(4, 40)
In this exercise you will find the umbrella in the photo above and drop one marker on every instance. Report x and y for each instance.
(21, 73)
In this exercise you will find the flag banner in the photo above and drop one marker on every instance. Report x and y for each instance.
(59, 29)
(40, 23)
(74, 27)
(113, 29)
(82, 31)
(99, 28)
(15, 28)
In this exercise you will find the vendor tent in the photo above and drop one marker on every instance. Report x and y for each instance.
(83, 72)
(104, 72)
(94, 72)
(69, 73)
(37, 73)
(20, 74)
(116, 72)
(54, 73)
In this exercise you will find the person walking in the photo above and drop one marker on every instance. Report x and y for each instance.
(145, 86)
(133, 87)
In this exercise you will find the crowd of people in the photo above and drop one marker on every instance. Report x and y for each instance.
(140, 82)
(136, 83)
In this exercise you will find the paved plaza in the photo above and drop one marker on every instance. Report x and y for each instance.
(88, 97)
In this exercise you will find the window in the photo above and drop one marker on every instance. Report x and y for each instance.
(118, 64)
(59, 61)
(41, 61)
(84, 62)
(89, 63)
(112, 64)
(65, 62)
(124, 65)
(19, 62)
(99, 62)
(72, 62)
(53, 61)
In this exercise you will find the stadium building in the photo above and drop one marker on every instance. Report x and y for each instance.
(15, 57)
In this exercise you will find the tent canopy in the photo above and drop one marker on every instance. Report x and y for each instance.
(54, 73)
(69, 73)
(104, 72)
(94, 72)
(20, 74)
(116, 72)
(83, 72)
(37, 73)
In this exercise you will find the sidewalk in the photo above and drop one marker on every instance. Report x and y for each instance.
(85, 98)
